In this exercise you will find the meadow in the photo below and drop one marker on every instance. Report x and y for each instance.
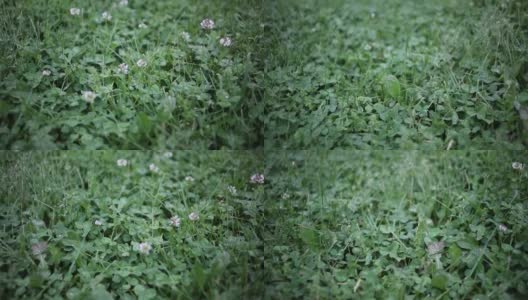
(264, 74)
(242, 225)
(130, 225)
(396, 225)
(398, 75)
(129, 74)
(255, 149)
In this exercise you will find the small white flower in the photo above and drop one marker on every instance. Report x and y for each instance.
(141, 63)
(518, 166)
(194, 216)
(123, 68)
(175, 221)
(167, 154)
(153, 168)
(46, 73)
(186, 36)
(142, 26)
(144, 248)
(285, 196)
(189, 178)
(435, 248)
(123, 3)
(98, 222)
(89, 96)
(39, 248)
(257, 178)
(106, 16)
(75, 11)
(503, 228)
(367, 47)
(122, 162)
(226, 41)
(232, 189)
(429, 221)
(207, 24)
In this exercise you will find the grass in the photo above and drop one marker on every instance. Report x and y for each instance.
(304, 88)
(357, 225)
(56, 197)
(325, 225)
(192, 94)
(300, 74)
(398, 75)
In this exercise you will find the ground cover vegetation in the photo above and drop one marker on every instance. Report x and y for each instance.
(130, 225)
(396, 225)
(129, 74)
(291, 225)
(398, 75)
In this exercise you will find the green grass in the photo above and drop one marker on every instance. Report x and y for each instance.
(57, 197)
(304, 88)
(356, 225)
(325, 225)
(330, 74)
(193, 94)
(398, 75)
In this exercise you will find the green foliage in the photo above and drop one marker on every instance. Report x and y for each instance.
(398, 75)
(57, 197)
(192, 94)
(358, 224)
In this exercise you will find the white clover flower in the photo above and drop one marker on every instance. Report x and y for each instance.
(518, 166)
(226, 41)
(46, 73)
(122, 162)
(74, 11)
(207, 24)
(141, 63)
(153, 168)
(435, 248)
(367, 47)
(503, 228)
(144, 248)
(185, 35)
(175, 221)
(123, 3)
(89, 96)
(232, 189)
(257, 178)
(142, 26)
(194, 216)
(98, 222)
(167, 154)
(285, 196)
(123, 68)
(39, 248)
(106, 16)
(189, 178)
